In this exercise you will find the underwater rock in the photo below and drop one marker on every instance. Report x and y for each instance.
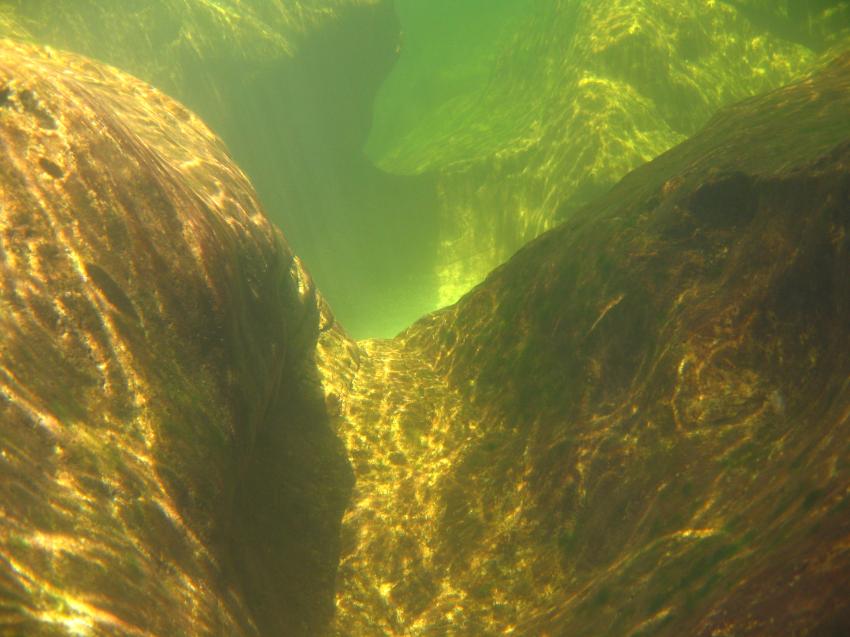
(640, 424)
(166, 467)
(523, 123)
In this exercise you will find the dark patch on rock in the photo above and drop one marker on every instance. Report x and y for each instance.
(724, 200)
(112, 292)
(51, 168)
(31, 105)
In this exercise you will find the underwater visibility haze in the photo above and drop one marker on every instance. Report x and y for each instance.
(370, 318)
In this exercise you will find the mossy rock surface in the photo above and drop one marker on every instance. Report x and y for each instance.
(167, 467)
(636, 426)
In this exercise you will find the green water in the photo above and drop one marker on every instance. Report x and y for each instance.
(449, 51)
(408, 149)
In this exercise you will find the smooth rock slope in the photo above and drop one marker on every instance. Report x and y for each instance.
(640, 425)
(165, 463)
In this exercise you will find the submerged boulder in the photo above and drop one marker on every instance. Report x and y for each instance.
(165, 463)
(639, 425)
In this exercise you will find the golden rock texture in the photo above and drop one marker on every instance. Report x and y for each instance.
(165, 463)
(640, 425)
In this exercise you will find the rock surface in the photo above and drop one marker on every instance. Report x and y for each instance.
(166, 467)
(640, 425)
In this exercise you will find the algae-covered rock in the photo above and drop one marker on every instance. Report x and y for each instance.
(639, 424)
(165, 464)
(524, 124)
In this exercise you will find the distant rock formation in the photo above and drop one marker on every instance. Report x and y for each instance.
(639, 425)
(568, 97)
(166, 467)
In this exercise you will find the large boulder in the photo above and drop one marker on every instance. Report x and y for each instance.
(639, 425)
(166, 467)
